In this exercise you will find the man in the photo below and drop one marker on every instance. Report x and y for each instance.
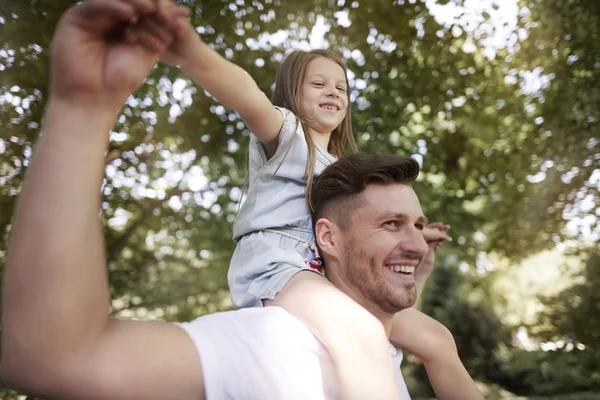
(58, 339)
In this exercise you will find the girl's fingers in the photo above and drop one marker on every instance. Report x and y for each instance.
(168, 12)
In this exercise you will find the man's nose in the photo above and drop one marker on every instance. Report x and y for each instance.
(416, 243)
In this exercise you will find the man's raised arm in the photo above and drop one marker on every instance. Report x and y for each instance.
(57, 338)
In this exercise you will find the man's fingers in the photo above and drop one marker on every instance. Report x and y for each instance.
(179, 12)
(435, 225)
(437, 242)
(93, 9)
(153, 27)
(435, 234)
(439, 225)
(143, 7)
(104, 16)
(149, 41)
(163, 9)
(130, 35)
(444, 238)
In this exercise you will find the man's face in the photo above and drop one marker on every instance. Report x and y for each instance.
(383, 247)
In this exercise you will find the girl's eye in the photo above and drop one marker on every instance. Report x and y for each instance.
(318, 83)
(341, 89)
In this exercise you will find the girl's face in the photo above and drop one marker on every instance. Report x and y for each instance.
(324, 95)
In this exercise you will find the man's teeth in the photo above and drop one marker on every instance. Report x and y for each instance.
(407, 269)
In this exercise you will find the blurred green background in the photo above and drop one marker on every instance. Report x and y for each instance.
(499, 100)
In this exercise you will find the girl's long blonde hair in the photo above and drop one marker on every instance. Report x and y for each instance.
(288, 94)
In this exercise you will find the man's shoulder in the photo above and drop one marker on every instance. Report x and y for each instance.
(260, 353)
(271, 312)
(261, 323)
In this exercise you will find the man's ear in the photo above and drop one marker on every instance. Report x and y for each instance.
(326, 234)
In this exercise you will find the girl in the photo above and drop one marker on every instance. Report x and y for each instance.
(304, 129)
(294, 137)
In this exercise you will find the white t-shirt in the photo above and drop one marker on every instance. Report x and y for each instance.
(266, 354)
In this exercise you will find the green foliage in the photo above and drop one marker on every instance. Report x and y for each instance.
(562, 50)
(549, 373)
(575, 311)
(462, 307)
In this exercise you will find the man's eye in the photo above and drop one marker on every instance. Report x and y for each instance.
(391, 223)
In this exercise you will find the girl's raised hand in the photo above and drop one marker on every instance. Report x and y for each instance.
(93, 61)
(174, 42)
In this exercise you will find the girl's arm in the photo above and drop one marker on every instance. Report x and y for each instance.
(227, 82)
(236, 89)
(434, 345)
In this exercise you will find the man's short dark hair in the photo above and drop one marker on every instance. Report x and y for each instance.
(336, 192)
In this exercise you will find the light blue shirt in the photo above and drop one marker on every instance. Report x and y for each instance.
(277, 199)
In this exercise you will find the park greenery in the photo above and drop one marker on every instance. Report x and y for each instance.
(499, 102)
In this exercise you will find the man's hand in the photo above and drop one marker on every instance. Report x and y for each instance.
(150, 31)
(435, 234)
(58, 340)
(94, 60)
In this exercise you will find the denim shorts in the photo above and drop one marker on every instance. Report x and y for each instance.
(264, 262)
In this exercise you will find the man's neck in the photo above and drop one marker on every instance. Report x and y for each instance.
(385, 318)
